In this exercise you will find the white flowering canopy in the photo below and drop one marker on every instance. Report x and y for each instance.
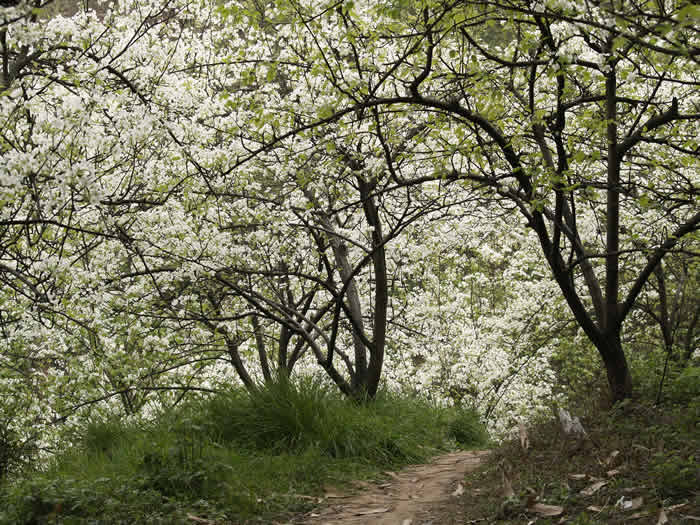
(445, 196)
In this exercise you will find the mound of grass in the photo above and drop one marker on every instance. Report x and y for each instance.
(233, 457)
(638, 464)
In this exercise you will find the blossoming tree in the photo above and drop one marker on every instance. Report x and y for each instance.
(584, 117)
(191, 186)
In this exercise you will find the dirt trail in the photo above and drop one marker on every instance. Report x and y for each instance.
(405, 499)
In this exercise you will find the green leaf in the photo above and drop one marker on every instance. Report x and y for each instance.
(644, 201)
(690, 14)
(326, 111)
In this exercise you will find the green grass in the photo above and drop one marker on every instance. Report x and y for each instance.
(234, 457)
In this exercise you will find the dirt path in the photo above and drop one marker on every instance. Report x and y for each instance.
(405, 499)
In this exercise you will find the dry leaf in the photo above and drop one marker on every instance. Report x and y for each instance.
(638, 515)
(546, 510)
(380, 510)
(577, 477)
(531, 496)
(663, 519)
(505, 468)
(407, 521)
(197, 519)
(613, 472)
(612, 457)
(459, 490)
(524, 440)
(633, 504)
(593, 508)
(592, 489)
(508, 491)
(304, 496)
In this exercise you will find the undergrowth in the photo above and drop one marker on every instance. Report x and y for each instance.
(637, 464)
(233, 457)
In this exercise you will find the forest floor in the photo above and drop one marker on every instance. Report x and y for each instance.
(637, 465)
(417, 495)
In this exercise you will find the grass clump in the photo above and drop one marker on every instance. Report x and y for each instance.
(234, 457)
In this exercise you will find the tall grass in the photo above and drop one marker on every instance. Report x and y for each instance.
(233, 456)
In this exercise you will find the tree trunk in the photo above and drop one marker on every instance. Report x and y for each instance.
(607, 342)
(262, 352)
(619, 378)
(237, 362)
(340, 251)
(381, 291)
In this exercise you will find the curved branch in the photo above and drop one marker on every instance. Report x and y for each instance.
(692, 225)
(654, 122)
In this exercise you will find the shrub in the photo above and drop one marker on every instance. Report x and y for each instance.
(10, 451)
(466, 428)
(101, 436)
(675, 475)
(687, 385)
(16, 451)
